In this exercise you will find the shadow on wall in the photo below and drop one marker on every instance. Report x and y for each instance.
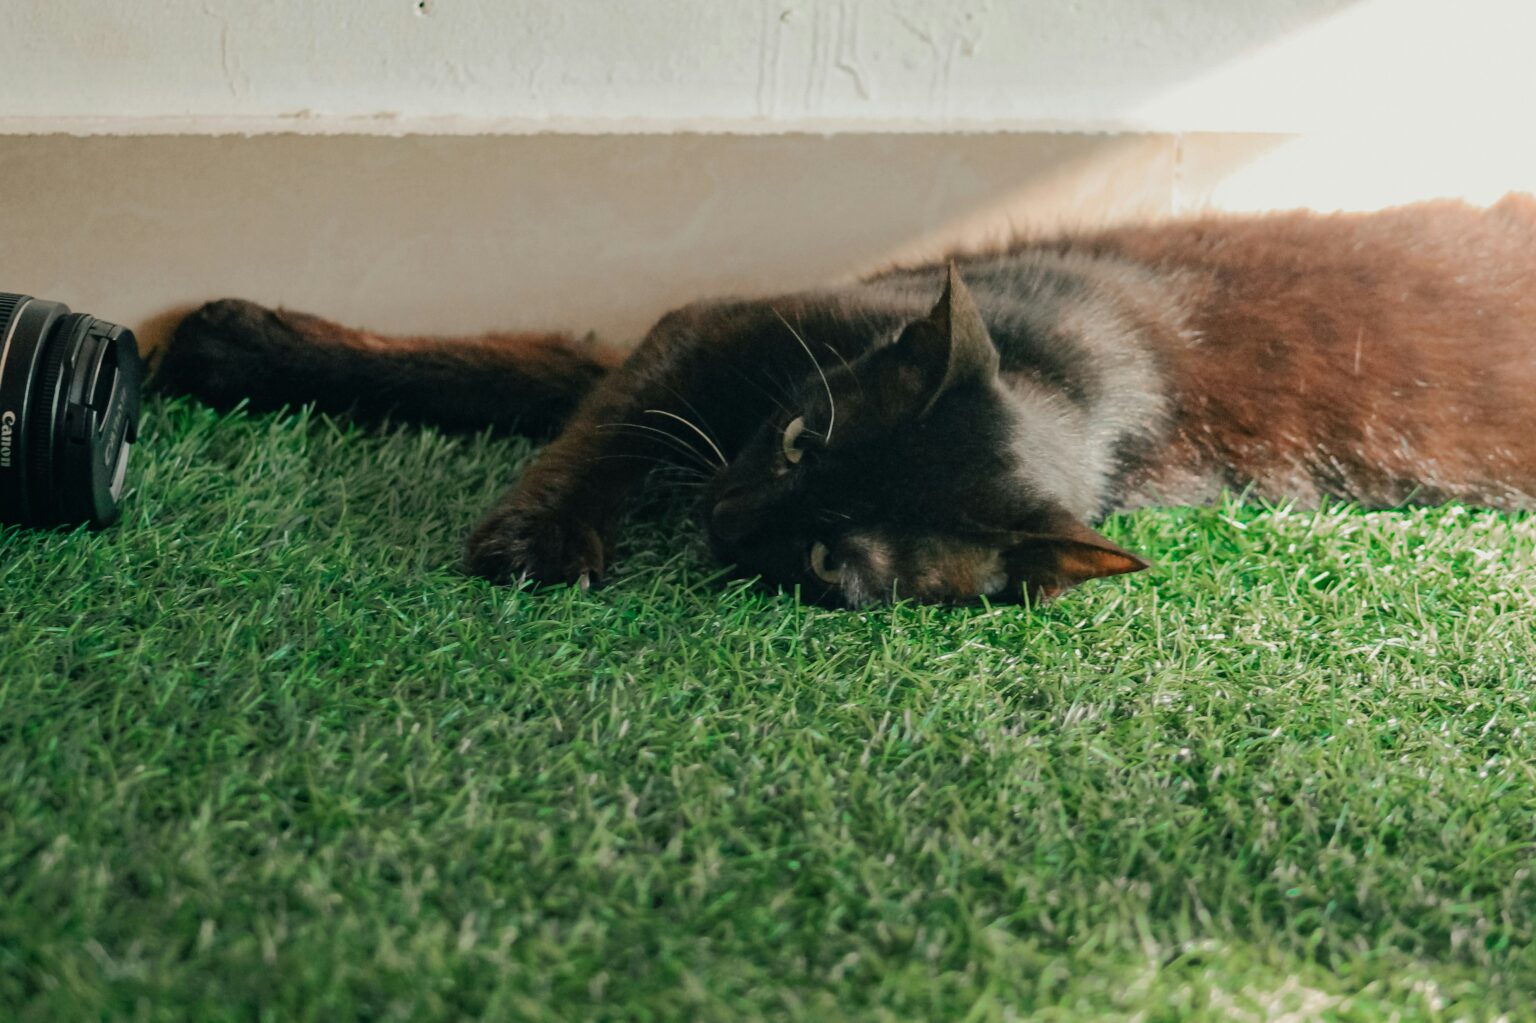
(448, 234)
(453, 234)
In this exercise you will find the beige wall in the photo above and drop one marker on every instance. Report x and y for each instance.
(465, 233)
(443, 66)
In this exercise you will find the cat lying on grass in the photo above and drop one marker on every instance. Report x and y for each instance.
(951, 431)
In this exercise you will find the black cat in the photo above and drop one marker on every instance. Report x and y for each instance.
(865, 443)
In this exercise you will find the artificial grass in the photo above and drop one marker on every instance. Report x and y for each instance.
(265, 753)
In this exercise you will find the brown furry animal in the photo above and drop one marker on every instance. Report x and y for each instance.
(864, 443)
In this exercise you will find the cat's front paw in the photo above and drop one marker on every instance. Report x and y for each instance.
(223, 351)
(513, 544)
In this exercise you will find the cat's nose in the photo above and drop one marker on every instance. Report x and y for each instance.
(734, 517)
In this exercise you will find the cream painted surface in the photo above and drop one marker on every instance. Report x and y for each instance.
(581, 232)
(445, 66)
(451, 234)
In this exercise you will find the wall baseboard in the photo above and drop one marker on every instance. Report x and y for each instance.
(450, 233)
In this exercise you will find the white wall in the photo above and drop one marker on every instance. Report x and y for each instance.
(535, 182)
(753, 65)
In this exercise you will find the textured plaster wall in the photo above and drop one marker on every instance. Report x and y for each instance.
(587, 164)
(761, 65)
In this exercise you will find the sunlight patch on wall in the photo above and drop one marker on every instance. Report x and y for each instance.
(1379, 64)
(1353, 172)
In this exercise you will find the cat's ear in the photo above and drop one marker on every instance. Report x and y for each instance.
(1067, 554)
(950, 345)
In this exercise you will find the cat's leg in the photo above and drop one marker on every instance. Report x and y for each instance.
(230, 350)
(703, 379)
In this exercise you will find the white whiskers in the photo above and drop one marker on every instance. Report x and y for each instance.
(831, 405)
(702, 435)
(678, 444)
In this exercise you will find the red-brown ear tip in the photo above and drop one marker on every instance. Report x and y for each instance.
(1083, 554)
(1137, 564)
(1068, 528)
(1122, 561)
(1098, 562)
(1141, 564)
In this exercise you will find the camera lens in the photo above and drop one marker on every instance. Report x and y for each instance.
(69, 414)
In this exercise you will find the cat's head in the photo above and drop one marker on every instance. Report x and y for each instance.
(908, 474)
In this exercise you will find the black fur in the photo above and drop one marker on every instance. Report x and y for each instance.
(865, 443)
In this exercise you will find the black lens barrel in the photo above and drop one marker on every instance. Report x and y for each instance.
(69, 413)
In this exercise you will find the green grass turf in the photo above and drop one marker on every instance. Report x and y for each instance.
(264, 753)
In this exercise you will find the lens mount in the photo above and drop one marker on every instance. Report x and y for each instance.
(69, 414)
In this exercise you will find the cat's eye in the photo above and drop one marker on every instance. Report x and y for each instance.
(791, 440)
(821, 565)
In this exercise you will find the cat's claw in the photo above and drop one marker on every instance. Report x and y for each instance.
(513, 545)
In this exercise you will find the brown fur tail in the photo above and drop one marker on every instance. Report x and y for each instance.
(229, 351)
